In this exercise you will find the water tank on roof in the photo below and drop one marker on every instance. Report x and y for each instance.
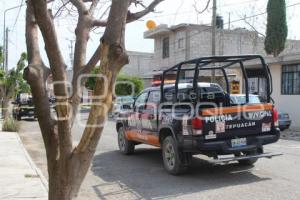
(219, 22)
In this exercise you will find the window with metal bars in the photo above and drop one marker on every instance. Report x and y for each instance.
(290, 77)
(166, 48)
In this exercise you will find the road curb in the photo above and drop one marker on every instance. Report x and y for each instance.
(32, 164)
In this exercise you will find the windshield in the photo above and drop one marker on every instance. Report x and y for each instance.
(125, 100)
(253, 99)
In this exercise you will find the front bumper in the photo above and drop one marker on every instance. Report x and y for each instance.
(221, 147)
(28, 113)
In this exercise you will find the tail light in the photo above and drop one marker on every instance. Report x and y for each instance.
(275, 116)
(197, 125)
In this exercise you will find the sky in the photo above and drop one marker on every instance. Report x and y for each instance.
(170, 12)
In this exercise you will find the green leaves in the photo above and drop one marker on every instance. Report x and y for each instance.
(277, 29)
(13, 81)
(1, 57)
(124, 84)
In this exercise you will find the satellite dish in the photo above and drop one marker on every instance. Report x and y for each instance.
(151, 24)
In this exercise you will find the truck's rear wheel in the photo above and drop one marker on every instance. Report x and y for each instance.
(249, 162)
(173, 158)
(125, 146)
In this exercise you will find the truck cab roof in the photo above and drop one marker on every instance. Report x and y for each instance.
(186, 85)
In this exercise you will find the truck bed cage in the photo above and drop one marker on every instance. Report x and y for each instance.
(224, 62)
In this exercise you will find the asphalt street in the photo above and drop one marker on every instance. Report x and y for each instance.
(141, 176)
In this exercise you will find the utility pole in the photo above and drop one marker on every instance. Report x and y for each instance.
(6, 50)
(229, 20)
(5, 31)
(213, 41)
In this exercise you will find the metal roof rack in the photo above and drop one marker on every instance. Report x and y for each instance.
(223, 63)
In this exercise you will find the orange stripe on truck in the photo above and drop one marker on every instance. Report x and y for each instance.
(145, 138)
(236, 109)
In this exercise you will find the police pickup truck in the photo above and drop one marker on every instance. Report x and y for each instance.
(193, 117)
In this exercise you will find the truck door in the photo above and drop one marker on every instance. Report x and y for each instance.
(149, 118)
(134, 121)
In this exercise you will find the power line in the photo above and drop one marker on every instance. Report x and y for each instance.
(188, 12)
(233, 21)
(21, 4)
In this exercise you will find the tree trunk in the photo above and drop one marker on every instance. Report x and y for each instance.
(67, 167)
(6, 108)
(59, 188)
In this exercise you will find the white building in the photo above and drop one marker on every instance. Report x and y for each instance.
(140, 65)
(187, 41)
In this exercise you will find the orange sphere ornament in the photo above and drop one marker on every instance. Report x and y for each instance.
(151, 24)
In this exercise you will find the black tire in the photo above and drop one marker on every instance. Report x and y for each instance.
(125, 146)
(175, 162)
(249, 162)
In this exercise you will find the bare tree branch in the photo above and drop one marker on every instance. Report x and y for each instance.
(82, 32)
(131, 16)
(93, 61)
(252, 26)
(79, 4)
(61, 8)
(139, 2)
(99, 23)
(135, 16)
(203, 10)
(57, 65)
(93, 6)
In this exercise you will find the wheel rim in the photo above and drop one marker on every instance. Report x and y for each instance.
(121, 139)
(169, 155)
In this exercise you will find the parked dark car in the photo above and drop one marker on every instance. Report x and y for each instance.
(23, 109)
(284, 121)
(121, 104)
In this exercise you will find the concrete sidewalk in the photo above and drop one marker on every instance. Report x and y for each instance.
(19, 176)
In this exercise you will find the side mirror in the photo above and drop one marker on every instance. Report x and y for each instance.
(138, 108)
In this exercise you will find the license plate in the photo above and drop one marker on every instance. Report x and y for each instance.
(239, 142)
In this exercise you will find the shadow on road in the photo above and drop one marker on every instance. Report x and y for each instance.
(29, 119)
(143, 176)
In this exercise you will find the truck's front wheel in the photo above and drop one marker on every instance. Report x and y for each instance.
(173, 158)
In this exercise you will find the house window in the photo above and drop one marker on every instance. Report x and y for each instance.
(166, 51)
(290, 79)
(180, 43)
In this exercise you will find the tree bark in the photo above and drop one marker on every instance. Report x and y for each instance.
(6, 111)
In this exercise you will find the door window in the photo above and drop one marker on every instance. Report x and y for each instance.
(154, 97)
(153, 100)
(140, 101)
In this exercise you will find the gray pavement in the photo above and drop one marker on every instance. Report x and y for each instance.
(20, 178)
(141, 176)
